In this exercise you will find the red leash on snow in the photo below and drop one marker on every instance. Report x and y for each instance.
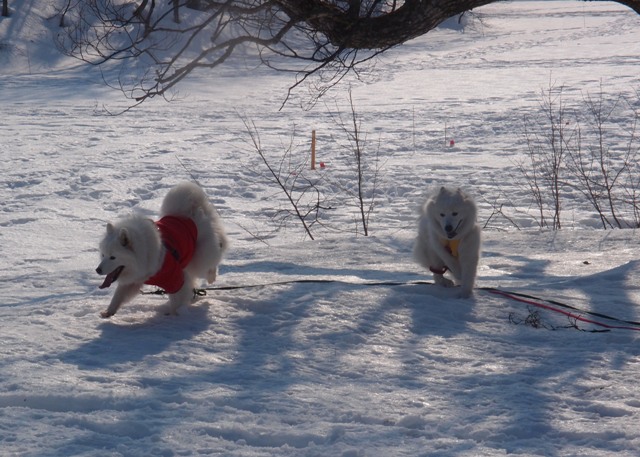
(534, 301)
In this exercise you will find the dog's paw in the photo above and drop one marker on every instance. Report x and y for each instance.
(465, 293)
(442, 281)
(106, 314)
(170, 309)
(211, 275)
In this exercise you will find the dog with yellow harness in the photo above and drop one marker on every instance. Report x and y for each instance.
(449, 239)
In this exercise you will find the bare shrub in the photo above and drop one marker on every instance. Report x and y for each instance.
(304, 199)
(603, 162)
(592, 150)
(548, 138)
(307, 192)
(362, 189)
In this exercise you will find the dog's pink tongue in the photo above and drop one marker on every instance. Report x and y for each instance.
(108, 280)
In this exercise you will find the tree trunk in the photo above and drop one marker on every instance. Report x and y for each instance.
(633, 4)
(368, 31)
(176, 11)
(351, 28)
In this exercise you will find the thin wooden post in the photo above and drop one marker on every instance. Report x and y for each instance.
(313, 149)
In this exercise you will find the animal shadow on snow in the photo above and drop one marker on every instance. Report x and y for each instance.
(123, 343)
(301, 271)
(433, 310)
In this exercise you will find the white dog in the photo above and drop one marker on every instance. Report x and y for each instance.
(449, 239)
(186, 243)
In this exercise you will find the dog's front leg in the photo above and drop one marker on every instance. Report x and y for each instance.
(450, 261)
(183, 296)
(123, 294)
(454, 266)
(440, 280)
(469, 259)
(468, 277)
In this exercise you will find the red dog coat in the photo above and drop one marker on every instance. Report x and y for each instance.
(179, 236)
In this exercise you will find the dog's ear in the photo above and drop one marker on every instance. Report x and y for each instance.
(443, 190)
(124, 238)
(110, 228)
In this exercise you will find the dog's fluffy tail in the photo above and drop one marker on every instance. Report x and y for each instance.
(187, 200)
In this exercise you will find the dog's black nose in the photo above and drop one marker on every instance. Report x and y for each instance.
(448, 228)
(99, 270)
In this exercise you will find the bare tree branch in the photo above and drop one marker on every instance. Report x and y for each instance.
(327, 39)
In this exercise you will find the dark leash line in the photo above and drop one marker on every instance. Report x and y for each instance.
(201, 292)
(551, 305)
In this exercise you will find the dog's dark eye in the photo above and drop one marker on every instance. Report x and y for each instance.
(442, 214)
(454, 214)
(112, 258)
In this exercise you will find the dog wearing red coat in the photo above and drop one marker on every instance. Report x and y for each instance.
(186, 243)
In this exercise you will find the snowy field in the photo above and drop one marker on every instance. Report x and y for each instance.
(333, 367)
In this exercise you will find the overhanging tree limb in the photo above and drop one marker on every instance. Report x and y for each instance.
(323, 38)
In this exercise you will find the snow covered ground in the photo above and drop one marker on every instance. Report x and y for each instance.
(327, 368)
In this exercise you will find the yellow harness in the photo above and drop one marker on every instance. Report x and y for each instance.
(451, 246)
